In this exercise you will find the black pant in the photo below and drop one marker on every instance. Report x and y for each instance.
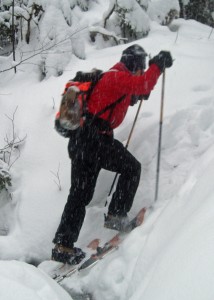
(90, 152)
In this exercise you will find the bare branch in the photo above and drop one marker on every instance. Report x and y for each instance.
(57, 181)
(9, 167)
(16, 143)
(11, 144)
(13, 134)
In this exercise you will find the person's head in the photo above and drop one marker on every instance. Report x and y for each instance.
(134, 58)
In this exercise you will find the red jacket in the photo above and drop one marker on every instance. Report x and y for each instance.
(115, 83)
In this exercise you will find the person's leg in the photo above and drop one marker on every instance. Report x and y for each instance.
(118, 159)
(83, 181)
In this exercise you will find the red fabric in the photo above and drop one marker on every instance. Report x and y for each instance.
(117, 82)
(83, 86)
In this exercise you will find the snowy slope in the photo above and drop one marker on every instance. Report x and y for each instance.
(19, 280)
(171, 256)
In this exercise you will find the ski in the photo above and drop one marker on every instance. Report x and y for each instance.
(70, 271)
(112, 244)
(61, 271)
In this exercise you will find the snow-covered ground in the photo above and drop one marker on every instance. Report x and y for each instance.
(170, 257)
(19, 280)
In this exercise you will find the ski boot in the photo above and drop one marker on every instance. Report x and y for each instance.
(119, 223)
(71, 256)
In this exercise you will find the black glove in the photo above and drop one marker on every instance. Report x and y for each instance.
(162, 60)
(135, 98)
(146, 97)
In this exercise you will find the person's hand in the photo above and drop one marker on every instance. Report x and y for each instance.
(162, 60)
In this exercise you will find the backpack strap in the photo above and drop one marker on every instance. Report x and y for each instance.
(101, 124)
(110, 107)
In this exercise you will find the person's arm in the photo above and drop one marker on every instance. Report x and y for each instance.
(144, 84)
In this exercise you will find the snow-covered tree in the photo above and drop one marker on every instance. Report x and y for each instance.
(200, 10)
(163, 11)
(55, 30)
(48, 27)
(132, 18)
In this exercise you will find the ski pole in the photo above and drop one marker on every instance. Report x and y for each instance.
(160, 136)
(127, 143)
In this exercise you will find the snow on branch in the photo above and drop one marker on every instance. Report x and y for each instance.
(94, 30)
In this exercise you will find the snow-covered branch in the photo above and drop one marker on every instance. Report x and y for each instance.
(94, 30)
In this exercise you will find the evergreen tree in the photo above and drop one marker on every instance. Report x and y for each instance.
(131, 17)
(199, 10)
(52, 28)
(129, 14)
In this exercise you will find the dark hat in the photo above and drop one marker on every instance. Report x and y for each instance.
(134, 58)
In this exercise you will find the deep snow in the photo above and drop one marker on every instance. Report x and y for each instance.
(171, 255)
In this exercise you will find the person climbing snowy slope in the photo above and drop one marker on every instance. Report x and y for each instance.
(92, 147)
